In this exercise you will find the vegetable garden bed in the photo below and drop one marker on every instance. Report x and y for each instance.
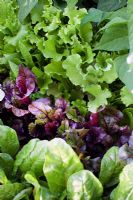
(66, 100)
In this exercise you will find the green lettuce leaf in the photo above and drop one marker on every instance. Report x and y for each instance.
(31, 157)
(84, 185)
(8, 140)
(60, 163)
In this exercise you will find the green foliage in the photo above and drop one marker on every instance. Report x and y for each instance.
(125, 188)
(114, 165)
(9, 142)
(66, 162)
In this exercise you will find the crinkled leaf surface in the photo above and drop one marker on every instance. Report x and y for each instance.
(111, 166)
(60, 163)
(31, 157)
(84, 185)
(8, 140)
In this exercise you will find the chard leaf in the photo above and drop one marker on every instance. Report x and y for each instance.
(40, 192)
(111, 5)
(115, 38)
(60, 163)
(10, 190)
(84, 185)
(124, 190)
(6, 163)
(25, 7)
(111, 166)
(8, 140)
(31, 157)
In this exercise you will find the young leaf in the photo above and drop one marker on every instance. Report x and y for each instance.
(125, 188)
(126, 96)
(60, 163)
(25, 7)
(31, 157)
(84, 185)
(8, 140)
(111, 166)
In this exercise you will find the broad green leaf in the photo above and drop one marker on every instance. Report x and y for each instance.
(40, 192)
(60, 163)
(10, 190)
(86, 31)
(6, 163)
(111, 5)
(84, 185)
(8, 140)
(125, 72)
(95, 15)
(26, 54)
(111, 166)
(115, 38)
(31, 157)
(130, 24)
(25, 7)
(124, 191)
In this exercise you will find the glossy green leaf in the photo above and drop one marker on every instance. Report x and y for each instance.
(40, 192)
(8, 140)
(125, 72)
(31, 157)
(60, 163)
(111, 167)
(84, 185)
(124, 191)
(115, 38)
